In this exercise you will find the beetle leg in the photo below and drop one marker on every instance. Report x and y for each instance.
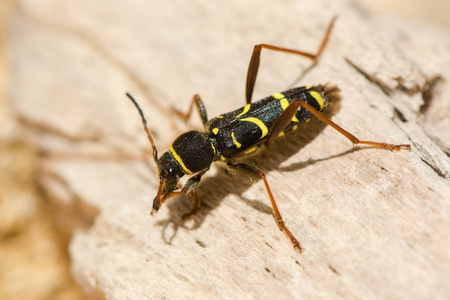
(189, 187)
(255, 173)
(284, 119)
(256, 54)
(200, 109)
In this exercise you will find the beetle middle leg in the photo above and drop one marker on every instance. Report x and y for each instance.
(253, 172)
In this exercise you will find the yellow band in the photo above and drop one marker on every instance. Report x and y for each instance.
(259, 123)
(178, 159)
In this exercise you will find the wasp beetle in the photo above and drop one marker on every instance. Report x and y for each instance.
(242, 132)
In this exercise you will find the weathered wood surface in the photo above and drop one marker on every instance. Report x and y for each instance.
(375, 224)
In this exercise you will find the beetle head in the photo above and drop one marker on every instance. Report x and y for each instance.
(169, 175)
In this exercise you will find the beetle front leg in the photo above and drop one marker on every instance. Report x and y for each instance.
(200, 109)
(189, 187)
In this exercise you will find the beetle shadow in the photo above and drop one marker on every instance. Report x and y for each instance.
(212, 190)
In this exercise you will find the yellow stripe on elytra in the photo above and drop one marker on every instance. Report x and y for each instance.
(178, 159)
(215, 130)
(318, 98)
(259, 123)
(278, 96)
(284, 104)
(234, 140)
(245, 110)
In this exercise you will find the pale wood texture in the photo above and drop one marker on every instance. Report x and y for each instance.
(374, 224)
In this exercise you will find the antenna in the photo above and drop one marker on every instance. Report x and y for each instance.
(144, 122)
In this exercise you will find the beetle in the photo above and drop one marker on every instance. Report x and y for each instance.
(242, 132)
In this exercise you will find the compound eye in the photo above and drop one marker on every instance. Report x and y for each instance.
(167, 174)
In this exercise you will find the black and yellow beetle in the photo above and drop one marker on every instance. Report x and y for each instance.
(242, 132)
